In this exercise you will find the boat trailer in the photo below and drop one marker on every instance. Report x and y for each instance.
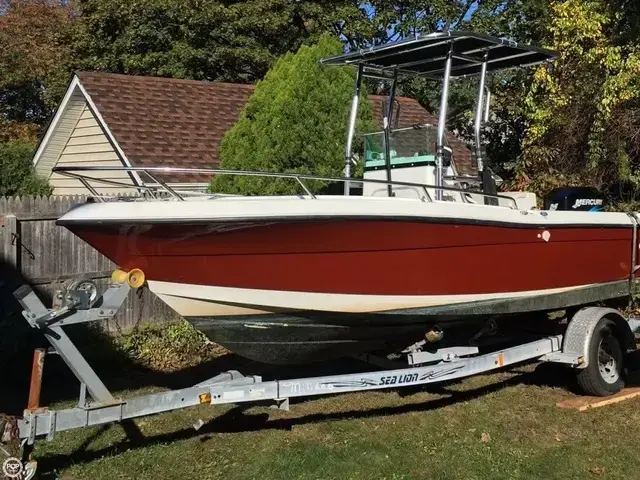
(80, 302)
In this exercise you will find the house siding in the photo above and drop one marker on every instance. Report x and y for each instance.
(60, 136)
(87, 145)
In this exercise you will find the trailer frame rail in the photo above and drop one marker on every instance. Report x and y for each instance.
(226, 388)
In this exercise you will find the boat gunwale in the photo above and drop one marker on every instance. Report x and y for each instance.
(335, 217)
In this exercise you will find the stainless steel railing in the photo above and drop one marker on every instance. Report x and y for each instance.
(82, 174)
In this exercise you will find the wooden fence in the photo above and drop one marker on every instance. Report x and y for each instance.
(34, 250)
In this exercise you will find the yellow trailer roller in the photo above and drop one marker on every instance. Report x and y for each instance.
(135, 278)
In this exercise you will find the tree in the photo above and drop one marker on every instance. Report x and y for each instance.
(295, 121)
(34, 60)
(411, 17)
(582, 118)
(522, 20)
(17, 175)
(234, 41)
(34, 71)
(627, 28)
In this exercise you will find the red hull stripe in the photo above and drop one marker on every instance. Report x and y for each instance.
(368, 257)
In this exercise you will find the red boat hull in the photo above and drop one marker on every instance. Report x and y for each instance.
(413, 273)
(368, 257)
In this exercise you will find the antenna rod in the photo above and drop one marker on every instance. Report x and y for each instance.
(442, 120)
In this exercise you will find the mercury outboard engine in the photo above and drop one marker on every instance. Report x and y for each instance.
(585, 199)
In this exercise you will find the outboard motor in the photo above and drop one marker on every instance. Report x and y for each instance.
(582, 199)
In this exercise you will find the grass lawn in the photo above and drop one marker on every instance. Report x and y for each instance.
(504, 425)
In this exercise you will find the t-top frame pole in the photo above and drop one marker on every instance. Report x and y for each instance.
(480, 111)
(387, 130)
(442, 120)
(352, 128)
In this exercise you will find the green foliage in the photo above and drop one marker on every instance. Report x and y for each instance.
(17, 175)
(410, 17)
(34, 60)
(519, 19)
(582, 117)
(213, 40)
(44, 41)
(167, 347)
(295, 121)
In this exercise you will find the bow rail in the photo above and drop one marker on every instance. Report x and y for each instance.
(83, 175)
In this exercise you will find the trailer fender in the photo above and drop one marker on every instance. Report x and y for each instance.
(582, 325)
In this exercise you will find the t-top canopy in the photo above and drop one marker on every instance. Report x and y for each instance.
(427, 55)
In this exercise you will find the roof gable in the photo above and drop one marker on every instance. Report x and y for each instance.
(167, 122)
(59, 131)
(77, 135)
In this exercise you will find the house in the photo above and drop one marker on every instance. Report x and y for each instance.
(123, 120)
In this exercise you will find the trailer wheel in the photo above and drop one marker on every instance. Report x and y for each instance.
(603, 375)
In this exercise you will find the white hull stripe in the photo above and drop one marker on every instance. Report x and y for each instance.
(200, 300)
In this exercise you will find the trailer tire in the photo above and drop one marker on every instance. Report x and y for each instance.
(603, 375)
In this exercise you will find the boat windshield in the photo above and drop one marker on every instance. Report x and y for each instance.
(409, 147)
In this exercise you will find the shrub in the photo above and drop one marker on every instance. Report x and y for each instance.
(17, 175)
(295, 122)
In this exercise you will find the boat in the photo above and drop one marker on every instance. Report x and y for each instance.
(311, 277)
